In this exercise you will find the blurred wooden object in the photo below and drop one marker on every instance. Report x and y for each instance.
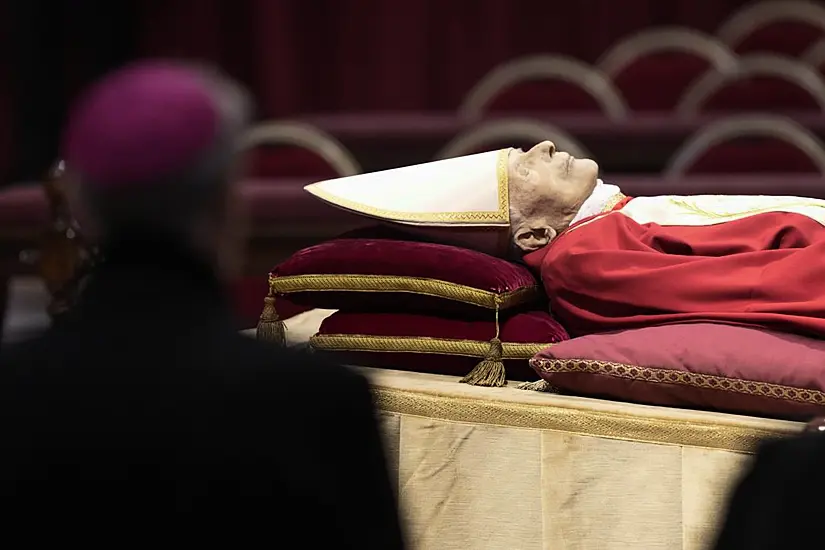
(816, 425)
(65, 255)
(5, 277)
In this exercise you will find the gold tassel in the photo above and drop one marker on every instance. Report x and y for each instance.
(490, 371)
(538, 385)
(270, 327)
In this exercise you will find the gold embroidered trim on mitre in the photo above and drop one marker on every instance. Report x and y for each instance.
(412, 285)
(669, 376)
(500, 217)
(420, 344)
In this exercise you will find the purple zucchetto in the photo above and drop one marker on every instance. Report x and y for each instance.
(143, 123)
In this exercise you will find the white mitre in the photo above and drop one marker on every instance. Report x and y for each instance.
(462, 201)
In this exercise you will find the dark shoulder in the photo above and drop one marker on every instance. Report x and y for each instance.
(787, 467)
(805, 450)
(770, 506)
(235, 358)
(29, 351)
(290, 366)
(325, 393)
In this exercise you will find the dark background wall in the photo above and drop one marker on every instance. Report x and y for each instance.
(299, 56)
(55, 48)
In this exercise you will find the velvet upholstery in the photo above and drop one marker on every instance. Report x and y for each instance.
(431, 351)
(673, 72)
(546, 95)
(287, 162)
(413, 274)
(727, 368)
(754, 155)
(785, 37)
(760, 93)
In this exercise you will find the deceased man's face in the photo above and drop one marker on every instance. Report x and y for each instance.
(547, 189)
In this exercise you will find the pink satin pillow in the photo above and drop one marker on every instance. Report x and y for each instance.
(709, 366)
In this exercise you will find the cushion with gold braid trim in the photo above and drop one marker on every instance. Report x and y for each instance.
(369, 268)
(434, 343)
(727, 368)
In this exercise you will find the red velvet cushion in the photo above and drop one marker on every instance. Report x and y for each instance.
(709, 366)
(760, 94)
(657, 81)
(754, 155)
(366, 270)
(544, 95)
(428, 343)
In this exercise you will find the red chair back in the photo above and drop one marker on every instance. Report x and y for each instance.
(761, 93)
(789, 38)
(652, 68)
(657, 81)
(547, 96)
(286, 161)
(753, 154)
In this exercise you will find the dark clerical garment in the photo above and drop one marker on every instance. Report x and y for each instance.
(144, 414)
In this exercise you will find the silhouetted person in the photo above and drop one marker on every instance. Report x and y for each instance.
(146, 414)
(776, 506)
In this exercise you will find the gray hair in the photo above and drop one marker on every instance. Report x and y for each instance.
(173, 203)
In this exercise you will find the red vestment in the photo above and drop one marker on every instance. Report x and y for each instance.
(612, 272)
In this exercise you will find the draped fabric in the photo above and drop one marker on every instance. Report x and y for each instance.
(303, 56)
(647, 265)
(482, 470)
(379, 54)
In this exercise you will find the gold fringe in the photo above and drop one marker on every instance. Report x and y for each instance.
(538, 385)
(270, 327)
(490, 371)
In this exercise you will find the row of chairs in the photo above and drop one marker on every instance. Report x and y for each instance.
(781, 26)
(736, 144)
(675, 70)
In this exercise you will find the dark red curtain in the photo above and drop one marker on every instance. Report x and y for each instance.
(306, 56)
(332, 55)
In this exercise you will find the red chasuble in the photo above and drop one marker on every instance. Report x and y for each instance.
(757, 261)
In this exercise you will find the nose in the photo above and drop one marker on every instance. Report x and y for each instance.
(548, 147)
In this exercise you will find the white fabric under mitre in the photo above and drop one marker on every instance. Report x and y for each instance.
(462, 201)
(603, 195)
